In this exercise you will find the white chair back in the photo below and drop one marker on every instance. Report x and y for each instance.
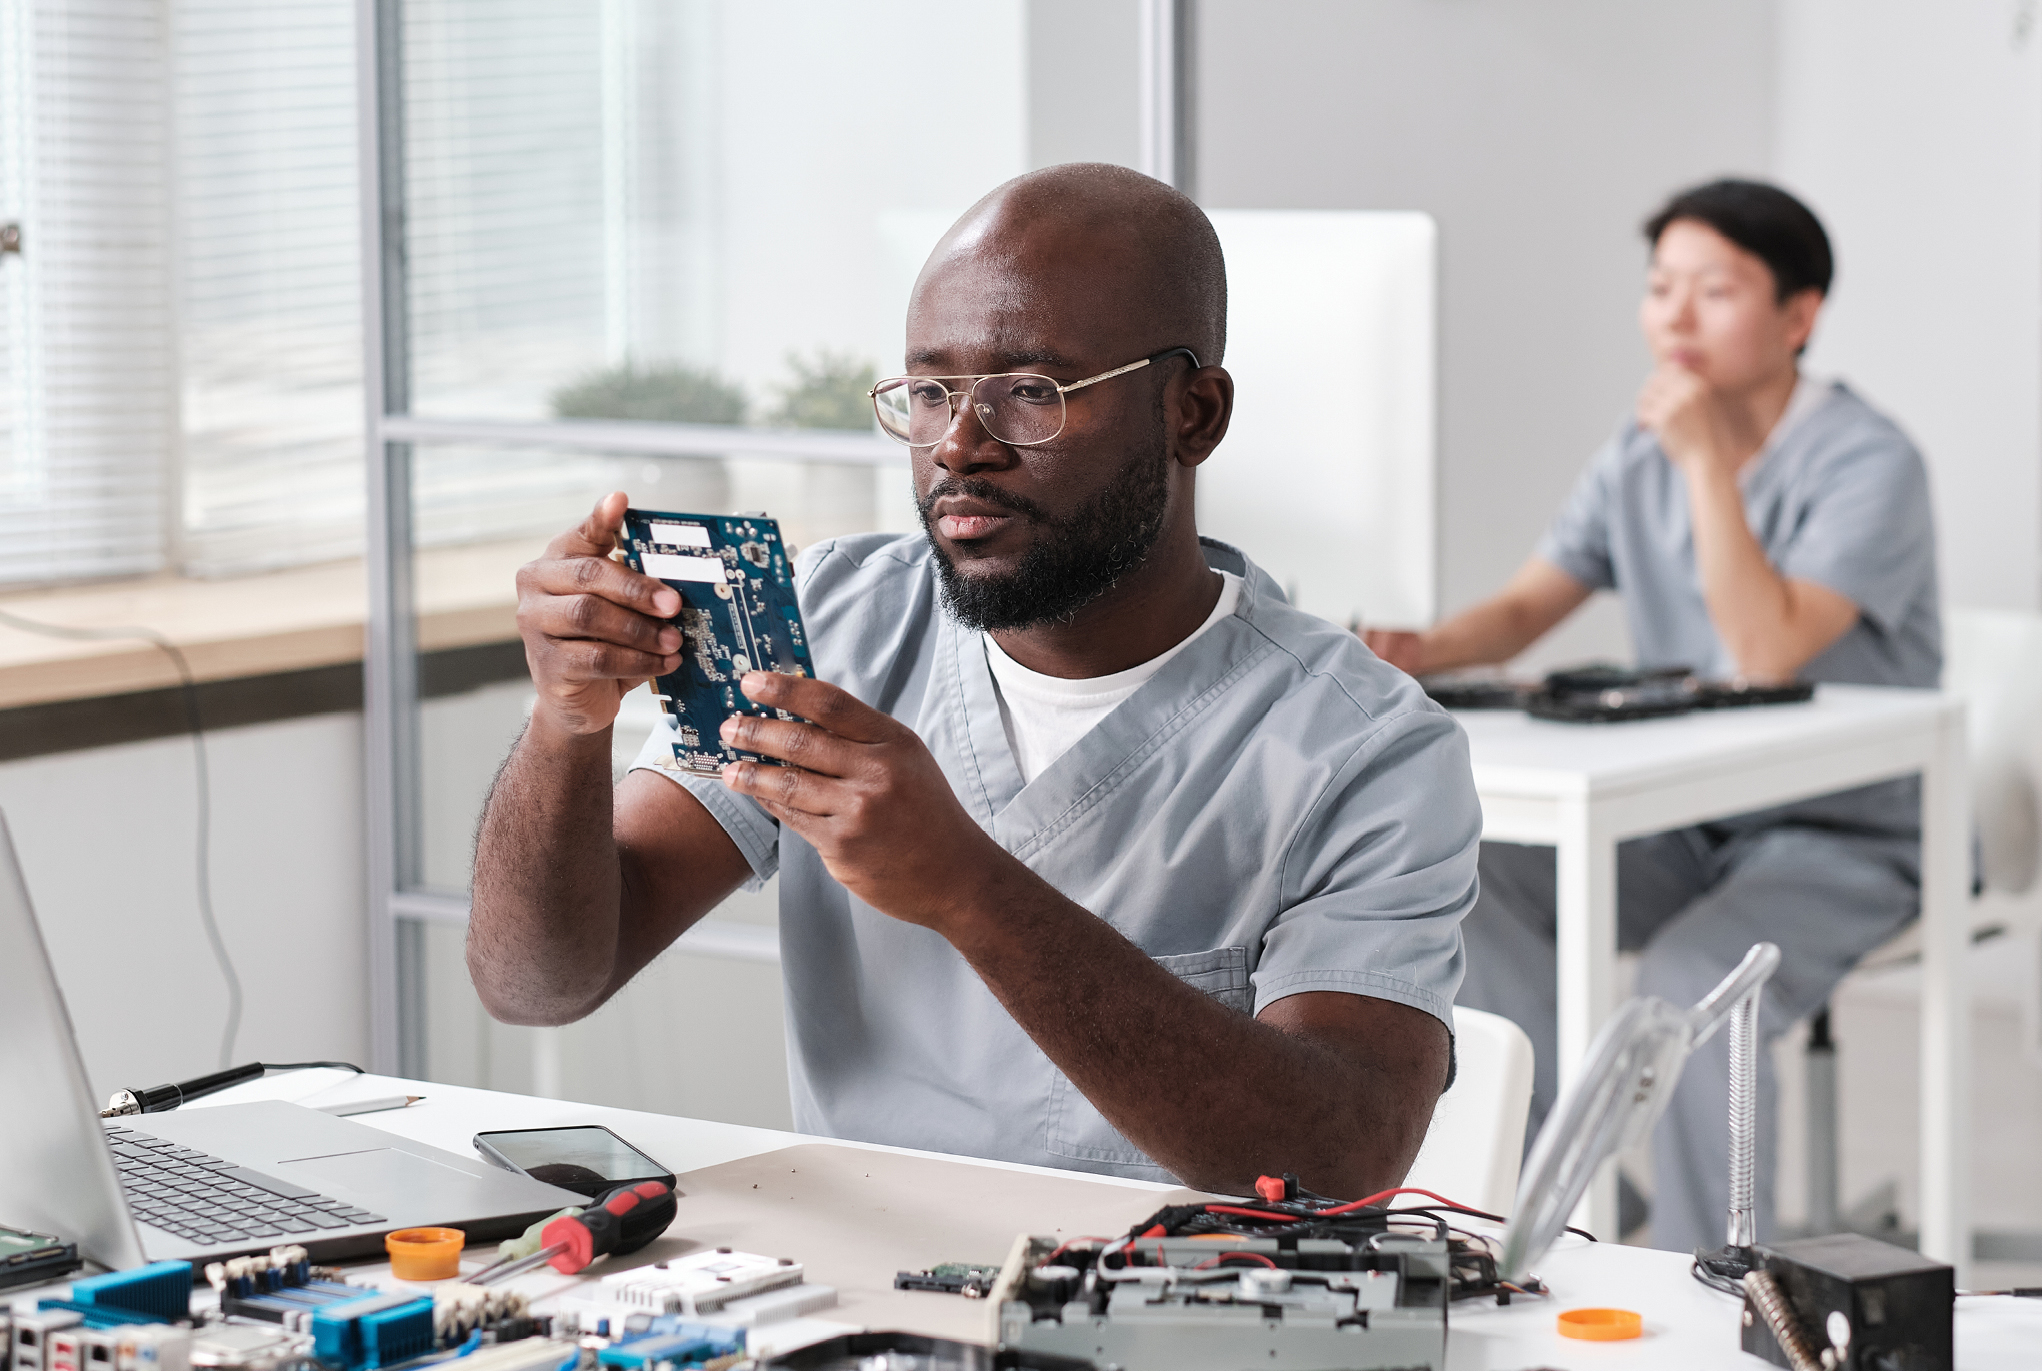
(1994, 660)
(1476, 1143)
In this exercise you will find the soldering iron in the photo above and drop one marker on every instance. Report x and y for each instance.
(158, 1098)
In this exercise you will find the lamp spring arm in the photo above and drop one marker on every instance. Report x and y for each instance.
(1743, 1227)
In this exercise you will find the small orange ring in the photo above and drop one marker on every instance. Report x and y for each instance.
(1600, 1325)
(425, 1254)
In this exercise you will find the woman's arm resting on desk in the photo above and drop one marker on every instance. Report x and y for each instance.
(576, 888)
(1539, 596)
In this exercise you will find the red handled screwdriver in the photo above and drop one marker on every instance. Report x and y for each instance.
(623, 1220)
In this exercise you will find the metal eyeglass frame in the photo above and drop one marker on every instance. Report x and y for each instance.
(1061, 391)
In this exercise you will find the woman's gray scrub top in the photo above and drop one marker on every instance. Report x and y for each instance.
(1275, 811)
(1840, 497)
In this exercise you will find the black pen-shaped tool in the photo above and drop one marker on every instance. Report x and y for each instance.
(158, 1098)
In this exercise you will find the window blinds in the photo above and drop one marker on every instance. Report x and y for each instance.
(87, 394)
(269, 275)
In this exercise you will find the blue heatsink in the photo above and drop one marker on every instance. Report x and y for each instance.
(161, 1290)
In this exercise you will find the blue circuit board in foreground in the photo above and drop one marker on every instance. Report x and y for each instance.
(738, 614)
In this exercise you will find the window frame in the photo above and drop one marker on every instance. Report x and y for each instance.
(400, 905)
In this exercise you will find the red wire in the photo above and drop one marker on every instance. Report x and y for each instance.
(1384, 1195)
(1067, 1247)
(1336, 1209)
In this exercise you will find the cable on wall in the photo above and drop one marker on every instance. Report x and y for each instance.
(196, 727)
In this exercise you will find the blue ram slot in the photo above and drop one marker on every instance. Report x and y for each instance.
(161, 1289)
(280, 1305)
(694, 1343)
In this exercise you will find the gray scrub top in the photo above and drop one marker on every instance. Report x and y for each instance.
(1841, 498)
(1274, 811)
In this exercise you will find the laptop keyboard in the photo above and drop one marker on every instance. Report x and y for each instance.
(215, 1203)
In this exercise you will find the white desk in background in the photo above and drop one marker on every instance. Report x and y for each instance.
(1583, 788)
(1687, 1327)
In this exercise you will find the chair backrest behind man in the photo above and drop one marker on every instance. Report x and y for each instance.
(1476, 1143)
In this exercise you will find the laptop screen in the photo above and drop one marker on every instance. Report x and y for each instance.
(56, 1174)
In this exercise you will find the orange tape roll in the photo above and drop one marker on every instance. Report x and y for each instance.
(1600, 1325)
(425, 1254)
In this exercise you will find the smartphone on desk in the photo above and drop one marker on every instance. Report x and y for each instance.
(588, 1160)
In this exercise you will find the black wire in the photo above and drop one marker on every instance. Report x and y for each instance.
(196, 726)
(1714, 1281)
(306, 1066)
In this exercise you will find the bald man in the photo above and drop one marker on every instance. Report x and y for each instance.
(1094, 853)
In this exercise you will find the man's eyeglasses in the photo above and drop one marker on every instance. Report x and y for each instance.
(1018, 408)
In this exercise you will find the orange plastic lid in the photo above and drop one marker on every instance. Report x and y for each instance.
(425, 1254)
(1600, 1325)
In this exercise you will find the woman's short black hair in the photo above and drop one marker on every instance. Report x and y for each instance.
(1766, 222)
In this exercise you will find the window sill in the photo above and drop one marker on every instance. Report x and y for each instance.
(265, 625)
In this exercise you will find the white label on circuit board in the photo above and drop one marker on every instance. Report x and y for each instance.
(679, 535)
(667, 567)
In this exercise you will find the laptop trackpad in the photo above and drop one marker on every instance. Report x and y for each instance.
(382, 1178)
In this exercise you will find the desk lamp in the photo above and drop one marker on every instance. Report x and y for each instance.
(1632, 1068)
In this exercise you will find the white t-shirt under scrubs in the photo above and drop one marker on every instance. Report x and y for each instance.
(1044, 715)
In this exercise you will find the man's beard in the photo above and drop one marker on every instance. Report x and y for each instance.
(1073, 561)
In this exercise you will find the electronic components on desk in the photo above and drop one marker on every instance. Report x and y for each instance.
(699, 1283)
(738, 614)
(670, 1342)
(140, 1347)
(31, 1258)
(160, 1290)
(528, 1354)
(951, 1278)
(373, 1332)
(31, 1335)
(248, 1347)
(460, 1311)
(282, 1287)
(1604, 693)
(1182, 1304)
(1852, 1303)
(912, 1352)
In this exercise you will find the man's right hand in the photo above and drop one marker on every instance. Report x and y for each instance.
(1401, 648)
(593, 628)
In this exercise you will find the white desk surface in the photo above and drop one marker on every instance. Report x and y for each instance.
(1583, 788)
(1513, 751)
(1686, 1325)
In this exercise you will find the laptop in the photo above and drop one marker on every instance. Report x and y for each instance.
(205, 1184)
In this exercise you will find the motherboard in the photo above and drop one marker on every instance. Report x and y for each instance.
(738, 613)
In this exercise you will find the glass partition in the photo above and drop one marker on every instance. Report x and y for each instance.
(653, 245)
(685, 210)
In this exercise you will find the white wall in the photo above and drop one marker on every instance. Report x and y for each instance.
(1539, 133)
(1915, 131)
(106, 840)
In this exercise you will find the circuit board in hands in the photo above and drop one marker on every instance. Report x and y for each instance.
(738, 614)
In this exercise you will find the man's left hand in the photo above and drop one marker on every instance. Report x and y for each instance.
(1681, 410)
(864, 790)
